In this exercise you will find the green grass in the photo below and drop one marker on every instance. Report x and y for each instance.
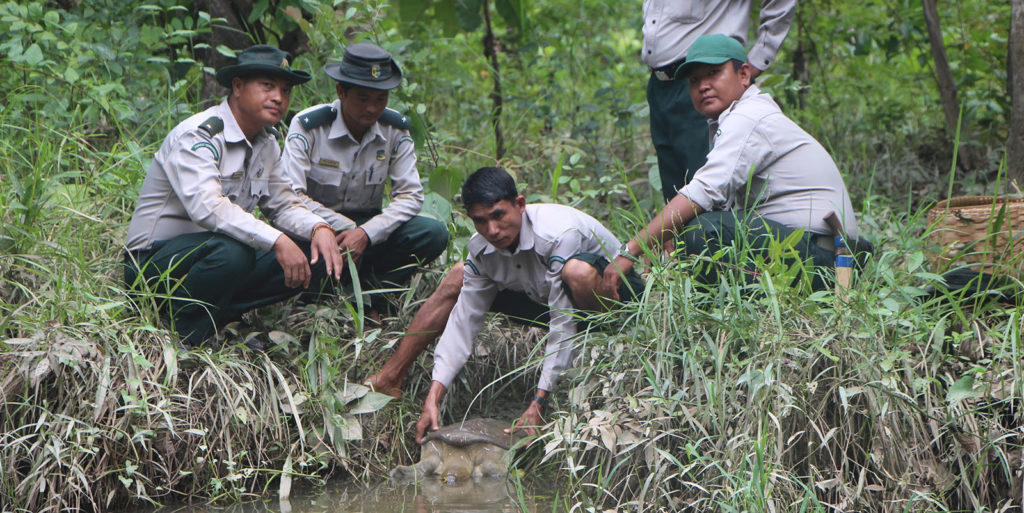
(743, 397)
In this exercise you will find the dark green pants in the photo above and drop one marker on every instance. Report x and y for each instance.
(712, 231)
(678, 131)
(393, 261)
(210, 280)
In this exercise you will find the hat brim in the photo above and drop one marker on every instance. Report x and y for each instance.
(226, 74)
(334, 71)
(684, 70)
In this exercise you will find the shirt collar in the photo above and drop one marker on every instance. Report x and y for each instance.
(340, 129)
(232, 132)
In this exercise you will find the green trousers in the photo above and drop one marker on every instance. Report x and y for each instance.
(393, 261)
(750, 236)
(678, 131)
(209, 280)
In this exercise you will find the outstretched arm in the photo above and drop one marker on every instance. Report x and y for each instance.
(663, 227)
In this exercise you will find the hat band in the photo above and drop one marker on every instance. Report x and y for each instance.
(376, 73)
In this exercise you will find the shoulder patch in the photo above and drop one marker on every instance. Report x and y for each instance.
(273, 131)
(213, 125)
(396, 119)
(318, 117)
(471, 265)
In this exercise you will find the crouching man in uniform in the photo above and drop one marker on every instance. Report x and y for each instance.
(536, 263)
(339, 156)
(765, 177)
(193, 235)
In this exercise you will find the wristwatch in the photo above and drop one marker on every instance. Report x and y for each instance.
(624, 252)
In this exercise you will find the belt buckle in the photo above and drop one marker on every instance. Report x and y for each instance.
(661, 75)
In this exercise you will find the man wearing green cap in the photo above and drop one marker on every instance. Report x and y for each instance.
(339, 156)
(193, 235)
(765, 178)
(678, 132)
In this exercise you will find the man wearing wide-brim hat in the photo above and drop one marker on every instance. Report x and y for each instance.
(339, 157)
(193, 235)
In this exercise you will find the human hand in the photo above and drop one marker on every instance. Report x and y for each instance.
(428, 419)
(529, 421)
(293, 261)
(355, 242)
(427, 422)
(323, 244)
(610, 280)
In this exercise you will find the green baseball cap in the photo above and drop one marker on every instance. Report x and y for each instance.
(712, 49)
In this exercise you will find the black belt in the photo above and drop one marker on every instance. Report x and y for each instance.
(668, 71)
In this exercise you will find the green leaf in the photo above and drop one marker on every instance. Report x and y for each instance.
(445, 13)
(33, 56)
(514, 13)
(962, 389)
(371, 402)
(225, 51)
(410, 11)
(436, 207)
(467, 12)
(258, 10)
(445, 181)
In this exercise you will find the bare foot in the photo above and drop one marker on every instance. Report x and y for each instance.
(377, 384)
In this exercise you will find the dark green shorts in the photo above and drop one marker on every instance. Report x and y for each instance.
(520, 308)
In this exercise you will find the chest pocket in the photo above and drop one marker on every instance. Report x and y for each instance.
(238, 188)
(685, 11)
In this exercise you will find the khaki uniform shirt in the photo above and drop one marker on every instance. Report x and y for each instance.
(334, 173)
(201, 182)
(550, 234)
(671, 26)
(762, 160)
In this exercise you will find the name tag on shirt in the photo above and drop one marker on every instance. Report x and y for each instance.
(329, 163)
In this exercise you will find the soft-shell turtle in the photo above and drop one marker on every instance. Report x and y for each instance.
(470, 449)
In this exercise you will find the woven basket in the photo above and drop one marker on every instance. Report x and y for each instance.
(985, 233)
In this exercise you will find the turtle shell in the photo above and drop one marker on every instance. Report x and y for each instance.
(473, 431)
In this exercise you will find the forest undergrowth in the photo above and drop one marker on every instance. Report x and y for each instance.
(755, 394)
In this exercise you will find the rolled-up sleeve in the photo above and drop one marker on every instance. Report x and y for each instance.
(406, 192)
(456, 343)
(196, 180)
(776, 18)
(296, 164)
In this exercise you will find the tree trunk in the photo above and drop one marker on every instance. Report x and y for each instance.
(491, 48)
(947, 87)
(1015, 69)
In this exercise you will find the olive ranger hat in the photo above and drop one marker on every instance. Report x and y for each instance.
(262, 60)
(712, 49)
(366, 65)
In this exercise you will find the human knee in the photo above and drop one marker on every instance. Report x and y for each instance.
(229, 255)
(436, 237)
(578, 274)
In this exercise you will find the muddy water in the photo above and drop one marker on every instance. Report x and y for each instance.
(429, 496)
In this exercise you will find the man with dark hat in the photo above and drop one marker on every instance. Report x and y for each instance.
(193, 235)
(338, 156)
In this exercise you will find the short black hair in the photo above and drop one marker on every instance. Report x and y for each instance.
(487, 186)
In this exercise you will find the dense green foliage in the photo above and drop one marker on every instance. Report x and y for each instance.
(751, 396)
